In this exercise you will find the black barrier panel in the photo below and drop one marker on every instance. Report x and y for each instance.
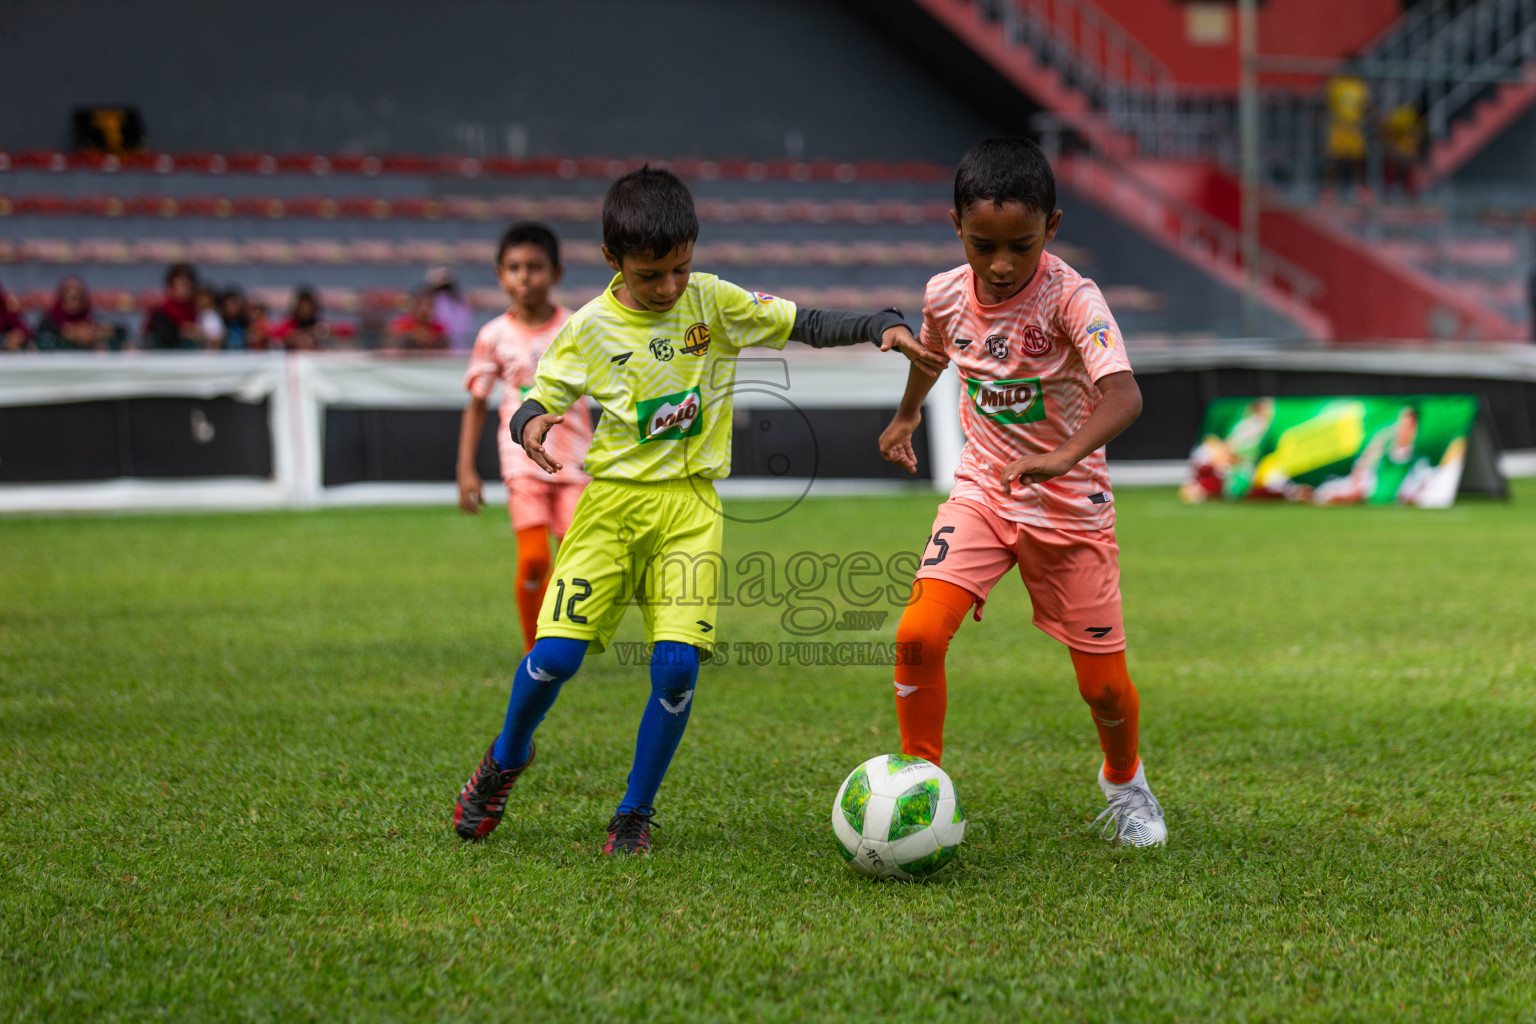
(1174, 402)
(831, 444)
(401, 445)
(773, 440)
(160, 438)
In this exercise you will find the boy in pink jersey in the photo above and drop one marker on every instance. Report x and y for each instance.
(1046, 385)
(508, 350)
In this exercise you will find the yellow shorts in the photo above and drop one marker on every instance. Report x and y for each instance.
(654, 544)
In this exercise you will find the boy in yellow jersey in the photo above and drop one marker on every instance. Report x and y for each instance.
(657, 350)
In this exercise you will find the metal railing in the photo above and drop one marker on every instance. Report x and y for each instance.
(1165, 215)
(1439, 58)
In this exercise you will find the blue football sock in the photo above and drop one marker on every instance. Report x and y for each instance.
(674, 670)
(552, 661)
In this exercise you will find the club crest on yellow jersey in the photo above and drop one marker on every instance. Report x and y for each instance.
(696, 341)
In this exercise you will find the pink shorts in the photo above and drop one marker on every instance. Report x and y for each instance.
(533, 502)
(1073, 577)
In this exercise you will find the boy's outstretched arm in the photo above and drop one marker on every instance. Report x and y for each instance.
(1117, 410)
(528, 426)
(896, 439)
(830, 328)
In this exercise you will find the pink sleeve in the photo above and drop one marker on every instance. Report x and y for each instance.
(1086, 321)
(484, 367)
(932, 332)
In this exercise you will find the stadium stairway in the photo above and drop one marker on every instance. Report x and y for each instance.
(844, 235)
(1098, 85)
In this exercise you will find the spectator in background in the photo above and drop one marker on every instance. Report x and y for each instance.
(233, 316)
(417, 328)
(173, 322)
(209, 323)
(14, 335)
(258, 328)
(71, 324)
(1349, 104)
(304, 330)
(1402, 136)
(449, 309)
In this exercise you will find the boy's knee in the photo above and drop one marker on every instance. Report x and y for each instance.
(674, 668)
(534, 566)
(556, 658)
(924, 634)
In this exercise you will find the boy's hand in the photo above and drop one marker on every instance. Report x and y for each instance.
(1034, 469)
(533, 441)
(924, 358)
(471, 491)
(896, 442)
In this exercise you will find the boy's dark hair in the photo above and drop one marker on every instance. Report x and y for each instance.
(530, 233)
(185, 270)
(1003, 170)
(648, 212)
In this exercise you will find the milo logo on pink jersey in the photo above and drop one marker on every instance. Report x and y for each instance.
(1008, 401)
(670, 417)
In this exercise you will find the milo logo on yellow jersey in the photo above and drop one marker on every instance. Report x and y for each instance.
(670, 417)
(1008, 401)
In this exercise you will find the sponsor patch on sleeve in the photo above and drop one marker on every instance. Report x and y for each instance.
(1100, 333)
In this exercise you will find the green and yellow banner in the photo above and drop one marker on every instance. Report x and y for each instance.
(1378, 449)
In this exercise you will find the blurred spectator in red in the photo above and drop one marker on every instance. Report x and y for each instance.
(449, 309)
(417, 328)
(258, 328)
(14, 335)
(173, 322)
(71, 324)
(304, 330)
(234, 318)
(209, 323)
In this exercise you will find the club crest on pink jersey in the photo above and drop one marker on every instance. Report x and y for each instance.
(1101, 335)
(1035, 342)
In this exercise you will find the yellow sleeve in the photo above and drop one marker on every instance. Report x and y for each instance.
(561, 378)
(752, 318)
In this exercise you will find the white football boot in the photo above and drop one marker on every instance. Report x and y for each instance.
(1134, 817)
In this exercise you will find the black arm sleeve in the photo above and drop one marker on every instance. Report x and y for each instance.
(525, 412)
(829, 328)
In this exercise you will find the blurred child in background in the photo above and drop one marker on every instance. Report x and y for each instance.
(508, 350)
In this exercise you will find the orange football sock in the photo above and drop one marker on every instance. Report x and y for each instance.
(532, 578)
(931, 619)
(1105, 684)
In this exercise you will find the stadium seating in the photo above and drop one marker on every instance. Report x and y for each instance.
(859, 235)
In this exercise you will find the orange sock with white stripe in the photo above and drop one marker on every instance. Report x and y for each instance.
(1106, 685)
(923, 639)
(532, 578)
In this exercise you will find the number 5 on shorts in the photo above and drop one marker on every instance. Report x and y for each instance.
(581, 594)
(943, 545)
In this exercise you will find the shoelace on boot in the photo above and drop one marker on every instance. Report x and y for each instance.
(1120, 807)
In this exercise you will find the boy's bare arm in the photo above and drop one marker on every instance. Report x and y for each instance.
(471, 425)
(1117, 410)
(896, 439)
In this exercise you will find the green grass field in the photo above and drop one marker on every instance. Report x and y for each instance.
(231, 744)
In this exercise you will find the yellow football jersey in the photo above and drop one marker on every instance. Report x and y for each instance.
(664, 380)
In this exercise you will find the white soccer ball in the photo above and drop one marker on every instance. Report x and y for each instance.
(898, 816)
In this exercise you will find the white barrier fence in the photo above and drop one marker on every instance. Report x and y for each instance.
(298, 388)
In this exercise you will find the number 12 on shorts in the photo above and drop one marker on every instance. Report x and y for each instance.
(580, 591)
